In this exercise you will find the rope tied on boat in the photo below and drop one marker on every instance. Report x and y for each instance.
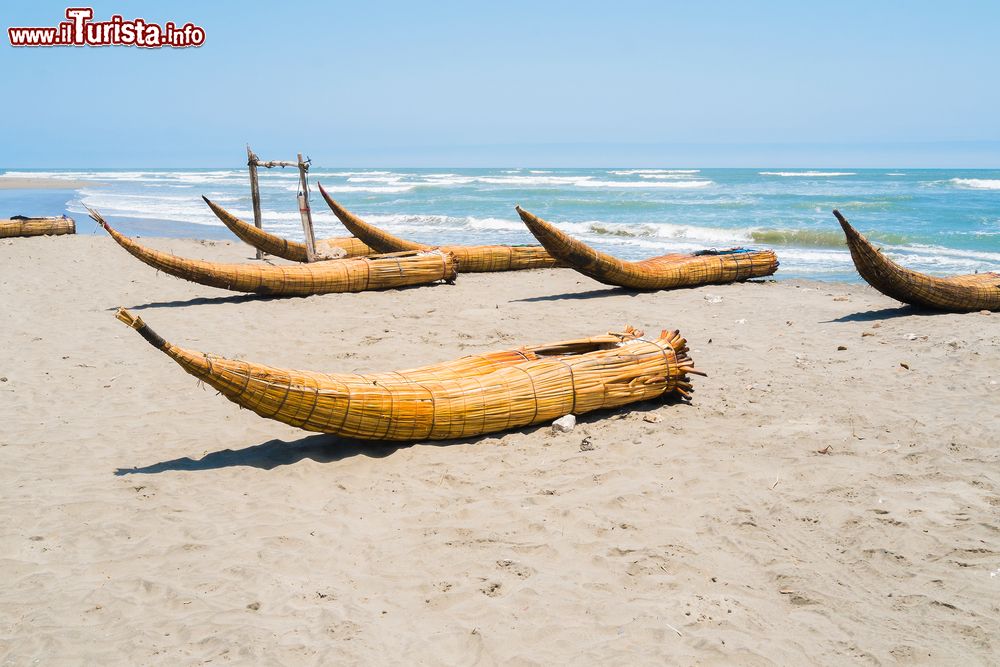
(141, 328)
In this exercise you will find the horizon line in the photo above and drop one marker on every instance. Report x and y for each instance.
(6, 169)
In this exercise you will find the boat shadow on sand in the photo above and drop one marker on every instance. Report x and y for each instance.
(625, 291)
(885, 314)
(323, 448)
(248, 297)
(320, 448)
(592, 294)
(207, 300)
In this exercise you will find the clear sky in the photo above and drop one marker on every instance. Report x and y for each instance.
(542, 83)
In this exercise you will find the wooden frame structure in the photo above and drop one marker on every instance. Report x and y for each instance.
(303, 196)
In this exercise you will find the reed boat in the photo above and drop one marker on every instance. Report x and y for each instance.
(956, 294)
(707, 267)
(357, 274)
(331, 248)
(471, 259)
(445, 402)
(20, 225)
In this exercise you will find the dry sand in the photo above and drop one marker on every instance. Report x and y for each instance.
(30, 183)
(812, 505)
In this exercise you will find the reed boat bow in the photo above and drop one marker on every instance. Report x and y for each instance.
(957, 294)
(657, 273)
(331, 248)
(471, 259)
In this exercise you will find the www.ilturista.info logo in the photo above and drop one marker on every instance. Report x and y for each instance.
(79, 30)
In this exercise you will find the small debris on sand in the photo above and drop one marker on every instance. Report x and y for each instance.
(564, 424)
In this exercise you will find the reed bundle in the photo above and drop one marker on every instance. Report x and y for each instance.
(331, 248)
(469, 397)
(471, 259)
(19, 225)
(708, 267)
(326, 277)
(956, 294)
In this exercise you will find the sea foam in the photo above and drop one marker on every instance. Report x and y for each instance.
(977, 183)
(644, 184)
(810, 174)
(650, 172)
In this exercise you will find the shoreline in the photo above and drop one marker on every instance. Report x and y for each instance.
(790, 214)
(238, 252)
(846, 495)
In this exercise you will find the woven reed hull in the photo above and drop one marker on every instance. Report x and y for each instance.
(471, 259)
(332, 248)
(956, 294)
(332, 276)
(657, 273)
(576, 377)
(36, 227)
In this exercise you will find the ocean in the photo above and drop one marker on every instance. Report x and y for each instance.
(937, 221)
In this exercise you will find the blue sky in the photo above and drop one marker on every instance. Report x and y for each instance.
(516, 84)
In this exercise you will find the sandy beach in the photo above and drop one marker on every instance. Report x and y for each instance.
(830, 495)
(25, 183)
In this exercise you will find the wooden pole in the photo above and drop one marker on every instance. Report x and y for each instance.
(254, 192)
(307, 224)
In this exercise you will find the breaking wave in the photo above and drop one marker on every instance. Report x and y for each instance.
(977, 183)
(807, 173)
(644, 184)
(653, 172)
(385, 189)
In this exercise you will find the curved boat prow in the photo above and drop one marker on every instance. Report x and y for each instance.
(958, 294)
(655, 273)
(381, 240)
(333, 248)
(199, 271)
(471, 258)
(849, 230)
(258, 238)
(600, 266)
(196, 365)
